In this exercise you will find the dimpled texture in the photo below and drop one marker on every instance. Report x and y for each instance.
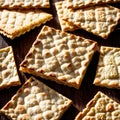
(108, 70)
(15, 23)
(36, 101)
(101, 107)
(99, 20)
(65, 25)
(59, 56)
(10, 4)
(86, 3)
(8, 71)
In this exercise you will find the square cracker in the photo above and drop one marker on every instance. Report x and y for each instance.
(99, 20)
(15, 23)
(59, 56)
(36, 101)
(101, 107)
(108, 70)
(27, 4)
(8, 71)
(75, 4)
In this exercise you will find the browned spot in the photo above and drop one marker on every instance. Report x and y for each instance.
(52, 75)
(31, 68)
(26, 84)
(110, 107)
(24, 63)
(7, 105)
(37, 42)
(91, 103)
(28, 55)
(41, 71)
(69, 65)
(63, 79)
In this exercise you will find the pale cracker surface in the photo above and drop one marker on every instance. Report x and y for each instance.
(75, 4)
(65, 25)
(15, 23)
(99, 20)
(108, 70)
(101, 107)
(27, 4)
(59, 56)
(8, 71)
(36, 101)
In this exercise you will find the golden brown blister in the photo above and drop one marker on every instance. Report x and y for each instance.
(8, 71)
(101, 107)
(36, 101)
(24, 4)
(99, 20)
(108, 70)
(15, 23)
(59, 56)
(75, 4)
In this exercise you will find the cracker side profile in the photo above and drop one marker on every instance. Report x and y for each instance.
(75, 4)
(108, 70)
(8, 71)
(15, 23)
(36, 101)
(99, 20)
(59, 56)
(101, 107)
(26, 4)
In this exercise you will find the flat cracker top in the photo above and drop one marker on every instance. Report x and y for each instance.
(75, 4)
(8, 71)
(59, 56)
(65, 25)
(36, 101)
(14, 23)
(100, 20)
(108, 70)
(12, 4)
(101, 107)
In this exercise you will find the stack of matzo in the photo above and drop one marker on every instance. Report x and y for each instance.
(59, 56)
(36, 101)
(100, 20)
(15, 22)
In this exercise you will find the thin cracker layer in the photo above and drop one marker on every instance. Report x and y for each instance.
(36, 101)
(24, 4)
(108, 70)
(15, 23)
(8, 71)
(99, 20)
(101, 107)
(59, 56)
(75, 4)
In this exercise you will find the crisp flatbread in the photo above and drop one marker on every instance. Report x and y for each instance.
(59, 56)
(99, 20)
(36, 101)
(101, 107)
(75, 4)
(26, 4)
(15, 23)
(108, 70)
(8, 70)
